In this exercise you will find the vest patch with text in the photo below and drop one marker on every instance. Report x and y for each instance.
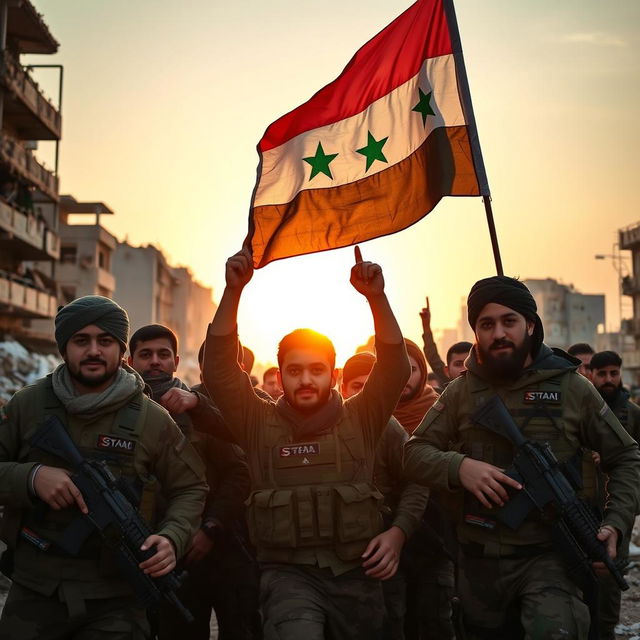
(543, 396)
(113, 443)
(305, 449)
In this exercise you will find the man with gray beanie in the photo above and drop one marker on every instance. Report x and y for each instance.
(100, 401)
(514, 583)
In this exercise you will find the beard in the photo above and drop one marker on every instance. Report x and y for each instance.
(409, 394)
(95, 380)
(321, 398)
(505, 367)
(609, 392)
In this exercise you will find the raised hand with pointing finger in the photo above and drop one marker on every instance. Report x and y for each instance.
(312, 411)
(366, 277)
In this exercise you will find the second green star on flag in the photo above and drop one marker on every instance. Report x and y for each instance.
(375, 150)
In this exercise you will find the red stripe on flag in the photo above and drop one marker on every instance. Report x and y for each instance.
(388, 60)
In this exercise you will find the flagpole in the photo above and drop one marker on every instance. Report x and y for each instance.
(474, 141)
(493, 234)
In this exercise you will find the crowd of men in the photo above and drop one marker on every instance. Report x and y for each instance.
(324, 503)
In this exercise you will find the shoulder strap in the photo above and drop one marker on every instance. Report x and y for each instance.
(131, 418)
(48, 398)
(351, 439)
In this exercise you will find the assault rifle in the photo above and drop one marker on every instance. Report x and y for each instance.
(544, 484)
(112, 514)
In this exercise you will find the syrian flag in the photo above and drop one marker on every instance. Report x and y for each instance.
(374, 151)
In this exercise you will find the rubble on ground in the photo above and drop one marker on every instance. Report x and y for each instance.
(19, 367)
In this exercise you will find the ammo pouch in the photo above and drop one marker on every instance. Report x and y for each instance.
(344, 517)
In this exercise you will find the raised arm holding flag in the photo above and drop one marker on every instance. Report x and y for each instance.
(314, 511)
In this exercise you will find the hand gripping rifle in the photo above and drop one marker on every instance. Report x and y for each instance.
(544, 483)
(113, 515)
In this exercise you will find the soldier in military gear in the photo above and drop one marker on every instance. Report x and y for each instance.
(606, 376)
(101, 402)
(505, 574)
(418, 597)
(313, 509)
(427, 557)
(404, 502)
(222, 575)
(583, 352)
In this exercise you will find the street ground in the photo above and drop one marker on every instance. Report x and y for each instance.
(628, 629)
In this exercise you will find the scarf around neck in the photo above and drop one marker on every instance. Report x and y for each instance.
(126, 384)
(316, 423)
(159, 385)
(409, 414)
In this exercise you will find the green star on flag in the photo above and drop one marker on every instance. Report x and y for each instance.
(373, 150)
(385, 161)
(320, 162)
(424, 107)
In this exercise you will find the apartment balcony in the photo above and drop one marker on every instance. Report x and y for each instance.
(20, 299)
(21, 160)
(629, 237)
(86, 278)
(106, 280)
(631, 359)
(630, 286)
(25, 236)
(29, 113)
(630, 327)
(27, 29)
(52, 244)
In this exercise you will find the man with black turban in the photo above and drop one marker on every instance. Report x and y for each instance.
(511, 581)
(100, 401)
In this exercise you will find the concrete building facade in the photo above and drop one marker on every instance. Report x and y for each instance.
(153, 292)
(568, 316)
(86, 252)
(28, 190)
(144, 284)
(629, 240)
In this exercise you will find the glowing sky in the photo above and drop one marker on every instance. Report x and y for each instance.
(164, 103)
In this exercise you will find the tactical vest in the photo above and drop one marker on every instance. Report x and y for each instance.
(26, 531)
(313, 494)
(539, 409)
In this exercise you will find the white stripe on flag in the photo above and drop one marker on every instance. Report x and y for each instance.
(284, 173)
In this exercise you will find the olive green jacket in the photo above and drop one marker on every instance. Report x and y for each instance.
(405, 500)
(628, 413)
(431, 456)
(247, 416)
(160, 455)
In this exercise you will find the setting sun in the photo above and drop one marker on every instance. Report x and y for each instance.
(313, 292)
